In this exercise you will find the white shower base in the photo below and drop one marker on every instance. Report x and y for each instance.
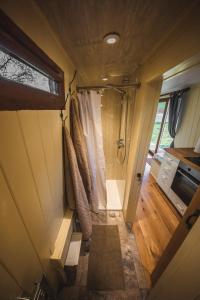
(115, 194)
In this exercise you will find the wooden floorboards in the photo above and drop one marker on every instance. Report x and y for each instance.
(156, 221)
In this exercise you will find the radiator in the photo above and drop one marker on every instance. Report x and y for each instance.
(42, 291)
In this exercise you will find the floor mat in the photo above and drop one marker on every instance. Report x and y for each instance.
(105, 270)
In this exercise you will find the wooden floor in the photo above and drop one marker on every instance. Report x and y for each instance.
(156, 221)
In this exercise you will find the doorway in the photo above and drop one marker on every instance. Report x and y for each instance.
(159, 228)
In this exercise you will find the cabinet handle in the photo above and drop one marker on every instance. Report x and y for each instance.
(139, 177)
(195, 215)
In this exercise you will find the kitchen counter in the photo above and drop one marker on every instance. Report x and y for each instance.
(182, 153)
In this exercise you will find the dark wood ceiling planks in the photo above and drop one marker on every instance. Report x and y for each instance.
(82, 24)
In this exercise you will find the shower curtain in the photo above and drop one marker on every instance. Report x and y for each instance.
(176, 105)
(80, 147)
(90, 113)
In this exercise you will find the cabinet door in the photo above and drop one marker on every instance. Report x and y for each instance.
(163, 175)
(167, 172)
(183, 274)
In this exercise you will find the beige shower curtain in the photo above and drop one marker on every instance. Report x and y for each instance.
(80, 147)
(90, 112)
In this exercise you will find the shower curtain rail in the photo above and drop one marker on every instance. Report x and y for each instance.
(108, 86)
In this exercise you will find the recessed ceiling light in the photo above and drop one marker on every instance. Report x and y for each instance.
(116, 74)
(111, 38)
(104, 78)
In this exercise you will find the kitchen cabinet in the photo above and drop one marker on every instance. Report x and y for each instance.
(167, 172)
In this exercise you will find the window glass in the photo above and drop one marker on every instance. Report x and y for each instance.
(14, 69)
(166, 139)
(157, 125)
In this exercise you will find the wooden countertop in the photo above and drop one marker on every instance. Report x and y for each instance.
(182, 153)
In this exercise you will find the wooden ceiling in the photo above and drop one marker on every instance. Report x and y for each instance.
(82, 24)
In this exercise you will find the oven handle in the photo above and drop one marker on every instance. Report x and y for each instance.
(188, 178)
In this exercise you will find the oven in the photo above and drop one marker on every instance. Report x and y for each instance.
(185, 183)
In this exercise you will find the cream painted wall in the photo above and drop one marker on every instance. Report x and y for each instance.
(189, 131)
(181, 278)
(111, 118)
(31, 171)
(7, 283)
(111, 112)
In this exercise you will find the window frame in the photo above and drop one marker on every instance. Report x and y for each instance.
(166, 100)
(16, 96)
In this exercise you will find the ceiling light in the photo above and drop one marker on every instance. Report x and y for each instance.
(115, 75)
(111, 38)
(104, 78)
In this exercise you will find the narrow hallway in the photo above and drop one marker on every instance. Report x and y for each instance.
(87, 89)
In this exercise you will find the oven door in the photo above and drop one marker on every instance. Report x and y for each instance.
(184, 185)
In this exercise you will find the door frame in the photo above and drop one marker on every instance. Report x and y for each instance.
(145, 108)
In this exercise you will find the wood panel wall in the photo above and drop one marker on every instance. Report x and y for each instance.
(111, 117)
(31, 173)
(189, 131)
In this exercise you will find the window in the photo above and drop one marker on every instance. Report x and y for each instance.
(160, 136)
(13, 69)
(29, 79)
(165, 140)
